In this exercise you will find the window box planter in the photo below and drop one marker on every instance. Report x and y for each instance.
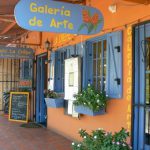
(85, 110)
(54, 102)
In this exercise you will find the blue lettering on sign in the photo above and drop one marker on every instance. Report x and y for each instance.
(50, 16)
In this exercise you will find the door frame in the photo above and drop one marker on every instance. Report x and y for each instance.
(38, 92)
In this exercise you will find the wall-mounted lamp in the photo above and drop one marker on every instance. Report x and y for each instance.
(48, 45)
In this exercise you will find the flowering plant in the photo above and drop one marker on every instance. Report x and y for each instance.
(50, 94)
(102, 140)
(89, 21)
(91, 98)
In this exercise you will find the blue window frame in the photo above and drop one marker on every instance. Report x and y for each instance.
(103, 64)
(57, 60)
(141, 101)
(60, 56)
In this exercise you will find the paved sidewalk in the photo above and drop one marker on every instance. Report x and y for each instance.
(14, 137)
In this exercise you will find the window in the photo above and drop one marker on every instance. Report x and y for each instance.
(60, 56)
(103, 64)
(26, 69)
(99, 65)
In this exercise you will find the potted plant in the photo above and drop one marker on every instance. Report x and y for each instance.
(90, 102)
(53, 99)
(101, 140)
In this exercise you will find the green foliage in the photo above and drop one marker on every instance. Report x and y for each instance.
(91, 98)
(6, 96)
(50, 94)
(102, 140)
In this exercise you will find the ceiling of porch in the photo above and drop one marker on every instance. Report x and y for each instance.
(10, 31)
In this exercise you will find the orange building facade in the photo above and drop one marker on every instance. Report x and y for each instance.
(132, 20)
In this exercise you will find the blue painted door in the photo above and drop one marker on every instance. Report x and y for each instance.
(41, 85)
(141, 104)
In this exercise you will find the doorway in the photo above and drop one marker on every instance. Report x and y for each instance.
(41, 85)
(141, 88)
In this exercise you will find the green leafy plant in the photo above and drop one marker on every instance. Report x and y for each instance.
(6, 96)
(102, 140)
(91, 98)
(50, 94)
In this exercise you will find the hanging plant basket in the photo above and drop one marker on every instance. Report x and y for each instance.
(85, 110)
(54, 102)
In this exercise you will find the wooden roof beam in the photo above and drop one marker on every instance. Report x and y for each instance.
(146, 2)
(10, 26)
(73, 1)
(6, 20)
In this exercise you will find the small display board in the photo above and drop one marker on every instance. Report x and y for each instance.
(18, 106)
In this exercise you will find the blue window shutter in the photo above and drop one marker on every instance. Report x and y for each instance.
(26, 69)
(89, 63)
(71, 50)
(114, 65)
(57, 86)
(80, 49)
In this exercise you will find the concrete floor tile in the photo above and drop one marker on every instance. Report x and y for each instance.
(14, 137)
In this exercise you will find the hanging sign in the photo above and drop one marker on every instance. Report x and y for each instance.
(16, 52)
(51, 16)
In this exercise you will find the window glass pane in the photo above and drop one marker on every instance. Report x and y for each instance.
(147, 127)
(62, 71)
(94, 50)
(104, 71)
(98, 83)
(104, 83)
(104, 61)
(147, 109)
(148, 54)
(99, 49)
(94, 82)
(65, 55)
(98, 67)
(62, 58)
(148, 88)
(51, 70)
(94, 67)
(104, 47)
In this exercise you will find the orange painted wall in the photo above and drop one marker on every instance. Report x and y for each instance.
(118, 111)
